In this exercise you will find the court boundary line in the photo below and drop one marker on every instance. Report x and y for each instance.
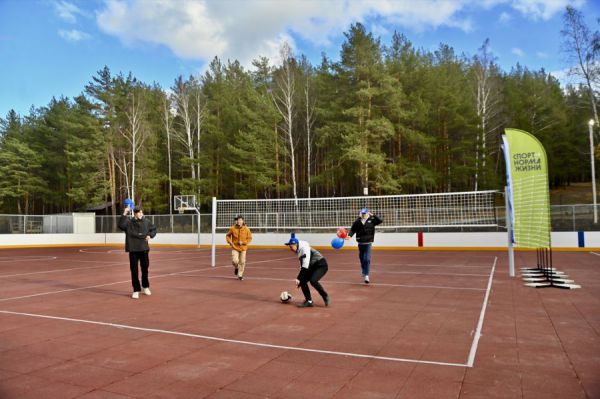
(385, 272)
(24, 258)
(593, 253)
(233, 341)
(469, 363)
(477, 335)
(427, 265)
(124, 281)
(155, 251)
(108, 264)
(354, 283)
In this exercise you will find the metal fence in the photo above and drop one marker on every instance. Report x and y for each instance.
(176, 223)
(564, 218)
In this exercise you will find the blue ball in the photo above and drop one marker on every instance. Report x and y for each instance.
(337, 243)
(129, 203)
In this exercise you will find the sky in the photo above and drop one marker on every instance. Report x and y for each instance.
(53, 48)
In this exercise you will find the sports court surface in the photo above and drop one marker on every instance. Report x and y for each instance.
(430, 325)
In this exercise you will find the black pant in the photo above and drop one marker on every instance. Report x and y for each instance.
(316, 272)
(142, 258)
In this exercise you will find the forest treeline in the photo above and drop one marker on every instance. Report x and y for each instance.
(386, 116)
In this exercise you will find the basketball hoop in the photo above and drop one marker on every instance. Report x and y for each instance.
(185, 203)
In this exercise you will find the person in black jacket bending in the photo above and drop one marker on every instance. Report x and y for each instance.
(138, 231)
(313, 267)
(364, 228)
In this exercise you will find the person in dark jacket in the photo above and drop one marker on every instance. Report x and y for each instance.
(364, 228)
(313, 267)
(138, 232)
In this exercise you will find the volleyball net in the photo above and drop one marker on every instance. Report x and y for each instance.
(465, 209)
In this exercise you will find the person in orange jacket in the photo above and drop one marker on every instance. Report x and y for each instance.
(239, 237)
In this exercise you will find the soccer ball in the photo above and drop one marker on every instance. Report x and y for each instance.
(285, 297)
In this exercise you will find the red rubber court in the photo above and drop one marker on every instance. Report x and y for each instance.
(430, 325)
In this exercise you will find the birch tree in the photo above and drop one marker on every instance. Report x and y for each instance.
(135, 135)
(200, 110)
(283, 98)
(182, 97)
(579, 46)
(167, 122)
(309, 116)
(487, 99)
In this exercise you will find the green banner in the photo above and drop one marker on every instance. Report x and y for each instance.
(527, 171)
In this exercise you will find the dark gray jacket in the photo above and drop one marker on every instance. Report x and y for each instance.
(136, 232)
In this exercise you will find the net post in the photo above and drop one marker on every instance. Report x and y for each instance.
(213, 231)
(199, 223)
(511, 250)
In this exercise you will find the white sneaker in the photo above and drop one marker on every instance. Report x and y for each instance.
(135, 295)
(147, 291)
(366, 279)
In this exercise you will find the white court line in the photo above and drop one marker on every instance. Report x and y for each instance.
(108, 251)
(152, 251)
(473, 350)
(110, 264)
(98, 285)
(233, 341)
(60, 270)
(124, 260)
(593, 253)
(26, 258)
(128, 281)
(380, 272)
(361, 284)
(425, 265)
(429, 254)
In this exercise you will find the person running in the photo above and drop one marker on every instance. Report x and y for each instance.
(313, 266)
(364, 228)
(138, 232)
(239, 237)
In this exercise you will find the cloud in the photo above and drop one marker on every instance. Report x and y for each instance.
(543, 9)
(246, 29)
(541, 54)
(517, 51)
(504, 17)
(67, 11)
(242, 30)
(73, 35)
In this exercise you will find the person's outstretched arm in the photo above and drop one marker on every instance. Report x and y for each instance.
(124, 221)
(376, 220)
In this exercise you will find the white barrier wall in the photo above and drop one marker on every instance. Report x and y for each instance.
(592, 239)
(565, 239)
(164, 239)
(406, 240)
(22, 240)
(84, 223)
(480, 240)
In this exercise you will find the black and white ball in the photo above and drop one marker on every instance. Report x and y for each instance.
(285, 297)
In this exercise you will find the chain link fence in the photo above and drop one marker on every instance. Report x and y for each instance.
(564, 218)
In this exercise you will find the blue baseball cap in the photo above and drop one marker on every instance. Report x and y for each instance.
(293, 240)
(364, 210)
